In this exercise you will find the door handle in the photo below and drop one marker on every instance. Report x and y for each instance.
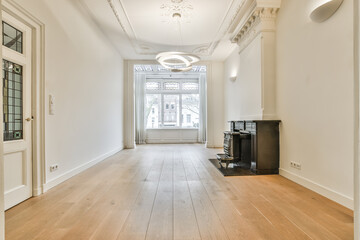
(29, 119)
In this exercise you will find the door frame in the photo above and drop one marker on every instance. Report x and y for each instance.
(356, 120)
(37, 92)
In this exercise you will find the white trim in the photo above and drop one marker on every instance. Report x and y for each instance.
(2, 198)
(356, 121)
(65, 176)
(324, 191)
(269, 116)
(37, 191)
(252, 117)
(171, 141)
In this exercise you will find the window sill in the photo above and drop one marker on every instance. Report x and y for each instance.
(174, 128)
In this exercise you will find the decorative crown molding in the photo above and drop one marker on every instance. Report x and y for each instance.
(261, 18)
(186, 8)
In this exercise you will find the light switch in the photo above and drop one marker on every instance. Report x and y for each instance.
(51, 105)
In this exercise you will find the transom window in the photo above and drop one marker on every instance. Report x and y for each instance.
(172, 103)
(12, 37)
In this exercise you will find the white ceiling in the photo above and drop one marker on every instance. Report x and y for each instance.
(140, 29)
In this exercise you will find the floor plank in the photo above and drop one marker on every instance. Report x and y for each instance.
(173, 192)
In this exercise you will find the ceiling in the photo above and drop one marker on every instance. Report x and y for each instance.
(139, 29)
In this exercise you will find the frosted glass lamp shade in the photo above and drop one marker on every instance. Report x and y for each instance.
(325, 11)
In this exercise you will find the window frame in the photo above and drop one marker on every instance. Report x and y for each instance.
(178, 92)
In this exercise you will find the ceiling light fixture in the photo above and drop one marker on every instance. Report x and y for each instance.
(177, 61)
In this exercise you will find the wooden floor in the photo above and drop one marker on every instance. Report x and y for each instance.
(173, 192)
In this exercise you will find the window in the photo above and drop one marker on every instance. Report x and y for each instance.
(169, 101)
(153, 101)
(190, 107)
(12, 38)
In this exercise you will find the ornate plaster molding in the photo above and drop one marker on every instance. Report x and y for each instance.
(231, 19)
(184, 7)
(116, 14)
(261, 19)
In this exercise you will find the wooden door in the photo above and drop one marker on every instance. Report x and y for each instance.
(17, 119)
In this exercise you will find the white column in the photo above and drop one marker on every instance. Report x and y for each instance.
(261, 20)
(129, 98)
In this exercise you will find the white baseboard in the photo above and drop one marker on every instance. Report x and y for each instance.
(214, 146)
(65, 176)
(173, 141)
(37, 191)
(322, 190)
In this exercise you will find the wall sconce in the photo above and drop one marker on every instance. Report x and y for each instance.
(325, 10)
(233, 78)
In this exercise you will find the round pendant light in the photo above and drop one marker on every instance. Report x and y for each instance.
(177, 61)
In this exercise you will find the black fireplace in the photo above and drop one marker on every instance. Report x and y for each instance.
(236, 149)
(253, 145)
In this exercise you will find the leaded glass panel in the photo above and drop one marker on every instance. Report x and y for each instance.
(12, 37)
(12, 101)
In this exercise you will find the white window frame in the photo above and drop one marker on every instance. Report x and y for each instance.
(179, 92)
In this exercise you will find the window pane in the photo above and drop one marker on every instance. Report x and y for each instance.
(190, 86)
(153, 111)
(152, 86)
(171, 86)
(12, 101)
(171, 111)
(190, 110)
(12, 38)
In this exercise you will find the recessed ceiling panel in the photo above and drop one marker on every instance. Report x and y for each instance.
(152, 21)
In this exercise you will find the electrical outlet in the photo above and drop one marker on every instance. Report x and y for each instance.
(54, 167)
(295, 165)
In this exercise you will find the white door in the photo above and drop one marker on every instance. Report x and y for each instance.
(17, 110)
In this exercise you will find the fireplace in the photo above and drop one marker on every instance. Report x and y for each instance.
(236, 149)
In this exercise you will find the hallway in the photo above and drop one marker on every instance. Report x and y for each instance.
(173, 192)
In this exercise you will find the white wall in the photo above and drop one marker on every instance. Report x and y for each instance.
(315, 98)
(85, 75)
(215, 108)
(243, 96)
(172, 135)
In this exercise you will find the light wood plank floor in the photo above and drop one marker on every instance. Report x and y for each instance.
(173, 192)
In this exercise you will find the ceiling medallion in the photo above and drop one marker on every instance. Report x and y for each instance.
(176, 6)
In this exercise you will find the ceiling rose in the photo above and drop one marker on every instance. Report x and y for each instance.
(180, 6)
